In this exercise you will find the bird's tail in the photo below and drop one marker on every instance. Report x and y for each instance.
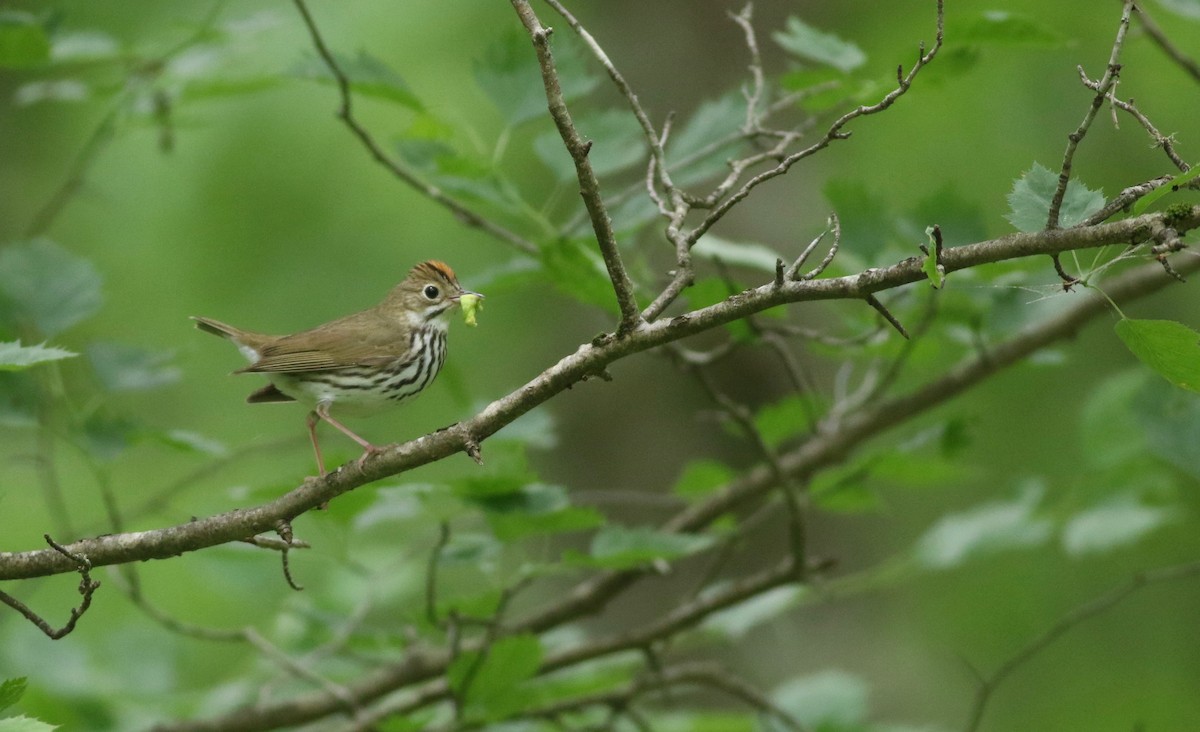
(216, 327)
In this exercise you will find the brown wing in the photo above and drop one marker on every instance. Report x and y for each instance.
(362, 339)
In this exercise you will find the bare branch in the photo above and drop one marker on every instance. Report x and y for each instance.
(589, 185)
(87, 587)
(588, 360)
(1111, 72)
(1187, 63)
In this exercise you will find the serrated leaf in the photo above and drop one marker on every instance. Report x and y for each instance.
(621, 547)
(23, 42)
(495, 687)
(1145, 201)
(48, 286)
(1185, 8)
(25, 724)
(1001, 27)
(810, 44)
(738, 254)
(1170, 349)
(1116, 523)
(131, 368)
(509, 74)
(15, 357)
(992, 527)
(11, 691)
(701, 477)
(1029, 201)
(368, 75)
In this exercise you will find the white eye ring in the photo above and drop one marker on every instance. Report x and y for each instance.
(431, 292)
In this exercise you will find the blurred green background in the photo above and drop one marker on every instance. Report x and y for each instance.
(265, 212)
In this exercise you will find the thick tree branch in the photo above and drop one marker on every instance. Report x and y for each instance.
(589, 185)
(590, 359)
(826, 448)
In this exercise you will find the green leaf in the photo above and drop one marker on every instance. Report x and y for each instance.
(864, 214)
(1185, 8)
(1000, 27)
(495, 687)
(131, 368)
(992, 527)
(369, 77)
(1145, 201)
(535, 509)
(1117, 523)
(15, 357)
(23, 42)
(1170, 421)
(48, 286)
(1170, 349)
(712, 121)
(1109, 437)
(577, 270)
(782, 420)
(825, 700)
(25, 724)
(1029, 201)
(11, 691)
(932, 268)
(617, 144)
(810, 44)
(702, 477)
(621, 547)
(509, 74)
(738, 254)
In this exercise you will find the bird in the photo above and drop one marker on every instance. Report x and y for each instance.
(381, 356)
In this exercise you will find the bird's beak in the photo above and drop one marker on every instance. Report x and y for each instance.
(467, 292)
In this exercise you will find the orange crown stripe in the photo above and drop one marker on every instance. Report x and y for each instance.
(437, 267)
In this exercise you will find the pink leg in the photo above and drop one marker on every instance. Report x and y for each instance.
(311, 421)
(322, 411)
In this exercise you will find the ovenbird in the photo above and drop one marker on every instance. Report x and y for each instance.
(383, 355)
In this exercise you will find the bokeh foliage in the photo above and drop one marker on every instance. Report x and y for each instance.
(165, 160)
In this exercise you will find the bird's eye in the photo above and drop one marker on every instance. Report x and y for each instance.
(431, 292)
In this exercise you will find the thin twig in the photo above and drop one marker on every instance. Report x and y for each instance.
(1086, 611)
(1187, 63)
(87, 587)
(589, 185)
(834, 132)
(463, 213)
(1103, 87)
